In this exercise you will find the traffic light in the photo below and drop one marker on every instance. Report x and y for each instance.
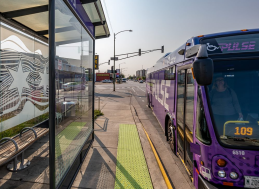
(139, 52)
(162, 49)
(108, 62)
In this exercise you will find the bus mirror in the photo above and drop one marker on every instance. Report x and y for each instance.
(203, 71)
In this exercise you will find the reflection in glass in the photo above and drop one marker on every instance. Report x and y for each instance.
(74, 67)
(234, 102)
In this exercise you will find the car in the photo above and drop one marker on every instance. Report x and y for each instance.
(124, 80)
(104, 81)
(140, 81)
(108, 81)
(73, 86)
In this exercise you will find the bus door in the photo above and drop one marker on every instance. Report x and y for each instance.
(151, 84)
(185, 102)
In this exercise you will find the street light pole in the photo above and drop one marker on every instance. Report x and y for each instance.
(114, 58)
(114, 65)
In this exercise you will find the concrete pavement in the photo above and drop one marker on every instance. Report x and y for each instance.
(98, 169)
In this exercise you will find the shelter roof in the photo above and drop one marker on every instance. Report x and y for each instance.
(32, 17)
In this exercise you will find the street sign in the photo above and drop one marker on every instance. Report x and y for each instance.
(116, 58)
(96, 62)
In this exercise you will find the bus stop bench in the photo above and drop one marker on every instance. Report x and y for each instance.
(11, 148)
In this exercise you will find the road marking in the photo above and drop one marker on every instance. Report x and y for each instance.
(139, 97)
(141, 89)
(143, 100)
(133, 89)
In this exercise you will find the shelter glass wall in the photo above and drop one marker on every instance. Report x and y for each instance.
(24, 81)
(74, 83)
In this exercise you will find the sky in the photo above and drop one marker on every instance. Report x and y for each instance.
(167, 22)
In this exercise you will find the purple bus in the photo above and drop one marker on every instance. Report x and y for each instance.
(206, 97)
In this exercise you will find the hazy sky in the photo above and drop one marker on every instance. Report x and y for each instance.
(170, 23)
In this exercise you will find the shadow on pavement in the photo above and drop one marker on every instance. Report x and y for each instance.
(107, 95)
(122, 169)
(104, 128)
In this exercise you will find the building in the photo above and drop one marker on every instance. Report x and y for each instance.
(102, 76)
(141, 73)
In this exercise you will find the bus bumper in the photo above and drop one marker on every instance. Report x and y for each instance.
(204, 184)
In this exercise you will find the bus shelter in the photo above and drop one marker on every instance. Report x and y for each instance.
(47, 85)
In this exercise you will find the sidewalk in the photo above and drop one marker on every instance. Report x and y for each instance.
(99, 167)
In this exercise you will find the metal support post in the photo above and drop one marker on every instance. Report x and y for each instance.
(114, 66)
(52, 91)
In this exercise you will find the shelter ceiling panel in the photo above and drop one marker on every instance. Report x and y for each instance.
(12, 5)
(99, 5)
(91, 12)
(107, 29)
(99, 31)
(36, 22)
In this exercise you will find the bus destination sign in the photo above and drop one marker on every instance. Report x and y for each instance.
(232, 44)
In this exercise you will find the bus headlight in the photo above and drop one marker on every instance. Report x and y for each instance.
(233, 175)
(222, 174)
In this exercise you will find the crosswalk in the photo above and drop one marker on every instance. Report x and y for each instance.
(139, 91)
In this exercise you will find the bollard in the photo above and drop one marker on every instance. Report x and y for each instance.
(99, 104)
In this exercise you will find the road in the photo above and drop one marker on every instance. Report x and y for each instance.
(137, 89)
(172, 164)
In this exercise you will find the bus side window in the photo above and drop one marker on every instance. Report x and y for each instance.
(202, 131)
(170, 73)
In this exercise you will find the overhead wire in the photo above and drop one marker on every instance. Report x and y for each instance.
(107, 14)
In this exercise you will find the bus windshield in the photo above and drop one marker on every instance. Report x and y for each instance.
(233, 98)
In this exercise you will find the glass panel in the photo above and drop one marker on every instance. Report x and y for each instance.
(189, 117)
(40, 94)
(189, 101)
(180, 111)
(73, 94)
(202, 131)
(21, 93)
(233, 97)
(180, 97)
(170, 73)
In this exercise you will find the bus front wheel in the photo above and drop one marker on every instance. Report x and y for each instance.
(171, 135)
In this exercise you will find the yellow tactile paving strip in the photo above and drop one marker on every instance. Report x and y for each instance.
(131, 169)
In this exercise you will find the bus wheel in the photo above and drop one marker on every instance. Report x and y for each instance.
(170, 135)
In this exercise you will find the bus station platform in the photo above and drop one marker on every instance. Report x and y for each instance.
(121, 156)
(117, 158)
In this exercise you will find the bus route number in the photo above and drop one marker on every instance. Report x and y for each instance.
(238, 152)
(244, 131)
